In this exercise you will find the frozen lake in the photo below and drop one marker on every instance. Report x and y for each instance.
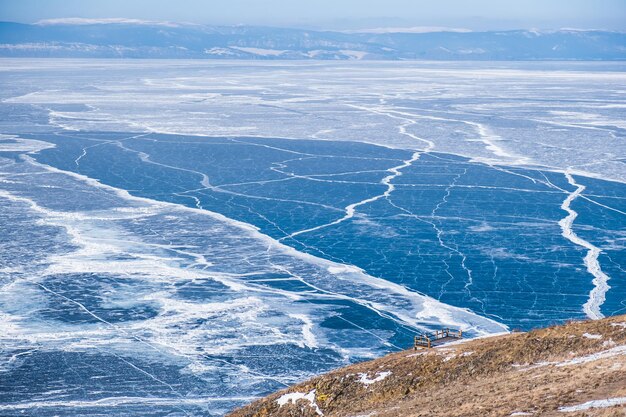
(180, 237)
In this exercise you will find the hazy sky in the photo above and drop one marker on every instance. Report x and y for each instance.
(338, 14)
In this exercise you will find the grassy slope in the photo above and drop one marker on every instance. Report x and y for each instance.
(497, 376)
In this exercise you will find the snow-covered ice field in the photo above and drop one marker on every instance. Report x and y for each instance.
(179, 237)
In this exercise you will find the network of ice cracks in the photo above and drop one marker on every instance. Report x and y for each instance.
(143, 252)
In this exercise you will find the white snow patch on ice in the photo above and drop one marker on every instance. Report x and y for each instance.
(344, 269)
(310, 340)
(15, 144)
(484, 227)
(120, 401)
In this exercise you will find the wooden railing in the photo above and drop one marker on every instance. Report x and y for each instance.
(427, 340)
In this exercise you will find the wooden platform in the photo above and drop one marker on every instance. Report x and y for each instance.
(439, 337)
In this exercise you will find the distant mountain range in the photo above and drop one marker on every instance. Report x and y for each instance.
(129, 38)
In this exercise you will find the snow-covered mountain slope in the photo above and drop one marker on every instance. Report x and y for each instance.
(110, 38)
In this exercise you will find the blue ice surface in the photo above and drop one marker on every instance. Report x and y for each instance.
(498, 222)
(472, 235)
(469, 234)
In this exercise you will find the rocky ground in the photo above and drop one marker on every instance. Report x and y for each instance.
(577, 369)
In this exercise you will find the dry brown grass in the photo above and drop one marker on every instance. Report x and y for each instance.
(487, 377)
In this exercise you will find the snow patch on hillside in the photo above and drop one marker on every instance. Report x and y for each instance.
(366, 380)
(260, 51)
(294, 397)
(609, 402)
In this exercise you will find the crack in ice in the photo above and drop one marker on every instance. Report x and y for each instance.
(597, 295)
(394, 172)
(350, 210)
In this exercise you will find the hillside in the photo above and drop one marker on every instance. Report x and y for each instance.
(124, 38)
(578, 369)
